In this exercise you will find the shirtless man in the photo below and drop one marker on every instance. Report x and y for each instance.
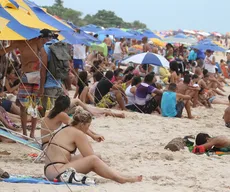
(227, 115)
(29, 51)
(205, 142)
(146, 46)
(185, 88)
(108, 42)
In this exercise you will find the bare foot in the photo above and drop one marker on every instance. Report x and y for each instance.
(135, 179)
(122, 115)
(191, 117)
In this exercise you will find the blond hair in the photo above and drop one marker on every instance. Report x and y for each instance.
(81, 116)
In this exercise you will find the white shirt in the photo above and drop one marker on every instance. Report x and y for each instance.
(208, 65)
(79, 51)
(117, 48)
(130, 96)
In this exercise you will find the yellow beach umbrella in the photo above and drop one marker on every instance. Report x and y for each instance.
(6, 30)
(158, 42)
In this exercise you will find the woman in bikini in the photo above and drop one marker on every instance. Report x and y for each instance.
(58, 117)
(61, 166)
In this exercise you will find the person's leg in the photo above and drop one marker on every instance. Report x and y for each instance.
(93, 163)
(119, 99)
(218, 101)
(110, 113)
(44, 106)
(24, 119)
(84, 93)
(15, 109)
(188, 109)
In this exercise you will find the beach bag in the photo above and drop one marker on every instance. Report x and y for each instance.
(58, 64)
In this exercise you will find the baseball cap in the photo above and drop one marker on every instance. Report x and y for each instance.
(228, 51)
(45, 33)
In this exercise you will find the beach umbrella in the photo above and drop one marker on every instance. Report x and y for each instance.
(150, 34)
(158, 42)
(147, 58)
(118, 33)
(100, 48)
(189, 31)
(205, 34)
(181, 39)
(91, 28)
(13, 29)
(70, 35)
(207, 44)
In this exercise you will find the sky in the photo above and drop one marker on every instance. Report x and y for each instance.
(206, 15)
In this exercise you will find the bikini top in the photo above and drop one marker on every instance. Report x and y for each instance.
(50, 142)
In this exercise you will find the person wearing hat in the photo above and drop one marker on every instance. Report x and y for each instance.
(30, 79)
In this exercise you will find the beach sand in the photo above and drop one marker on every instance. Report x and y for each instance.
(135, 146)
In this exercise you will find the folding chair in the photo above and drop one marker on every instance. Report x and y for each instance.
(17, 137)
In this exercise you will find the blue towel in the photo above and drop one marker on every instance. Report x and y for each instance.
(18, 179)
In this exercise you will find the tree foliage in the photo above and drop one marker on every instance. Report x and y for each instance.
(101, 18)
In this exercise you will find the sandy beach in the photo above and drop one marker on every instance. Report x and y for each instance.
(135, 145)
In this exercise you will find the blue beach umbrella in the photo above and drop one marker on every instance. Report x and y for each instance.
(148, 58)
(15, 30)
(118, 33)
(91, 28)
(150, 34)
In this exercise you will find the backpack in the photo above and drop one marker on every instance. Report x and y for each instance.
(59, 57)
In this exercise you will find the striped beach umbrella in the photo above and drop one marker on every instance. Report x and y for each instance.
(147, 58)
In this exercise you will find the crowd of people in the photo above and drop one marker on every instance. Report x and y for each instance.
(41, 71)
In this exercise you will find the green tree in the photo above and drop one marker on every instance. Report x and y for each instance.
(138, 25)
(58, 3)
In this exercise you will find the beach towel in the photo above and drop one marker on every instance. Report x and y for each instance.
(33, 180)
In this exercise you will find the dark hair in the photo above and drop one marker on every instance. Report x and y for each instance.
(128, 78)
(61, 104)
(109, 75)
(96, 36)
(129, 69)
(83, 76)
(195, 76)
(145, 67)
(172, 87)
(97, 76)
(149, 78)
(187, 79)
(229, 97)
(205, 72)
(107, 35)
(221, 60)
(209, 51)
(201, 138)
(136, 80)
(117, 72)
(174, 66)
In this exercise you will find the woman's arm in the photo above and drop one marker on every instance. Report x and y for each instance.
(83, 144)
(65, 118)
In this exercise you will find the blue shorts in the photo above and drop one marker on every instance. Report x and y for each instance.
(6, 104)
(78, 64)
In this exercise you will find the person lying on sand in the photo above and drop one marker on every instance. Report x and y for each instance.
(227, 115)
(205, 142)
(61, 166)
(172, 103)
(58, 117)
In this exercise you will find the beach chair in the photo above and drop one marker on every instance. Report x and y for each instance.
(17, 137)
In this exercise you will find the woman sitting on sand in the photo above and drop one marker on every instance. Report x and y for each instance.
(58, 117)
(205, 142)
(60, 166)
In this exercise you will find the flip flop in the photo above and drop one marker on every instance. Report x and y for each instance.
(4, 175)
